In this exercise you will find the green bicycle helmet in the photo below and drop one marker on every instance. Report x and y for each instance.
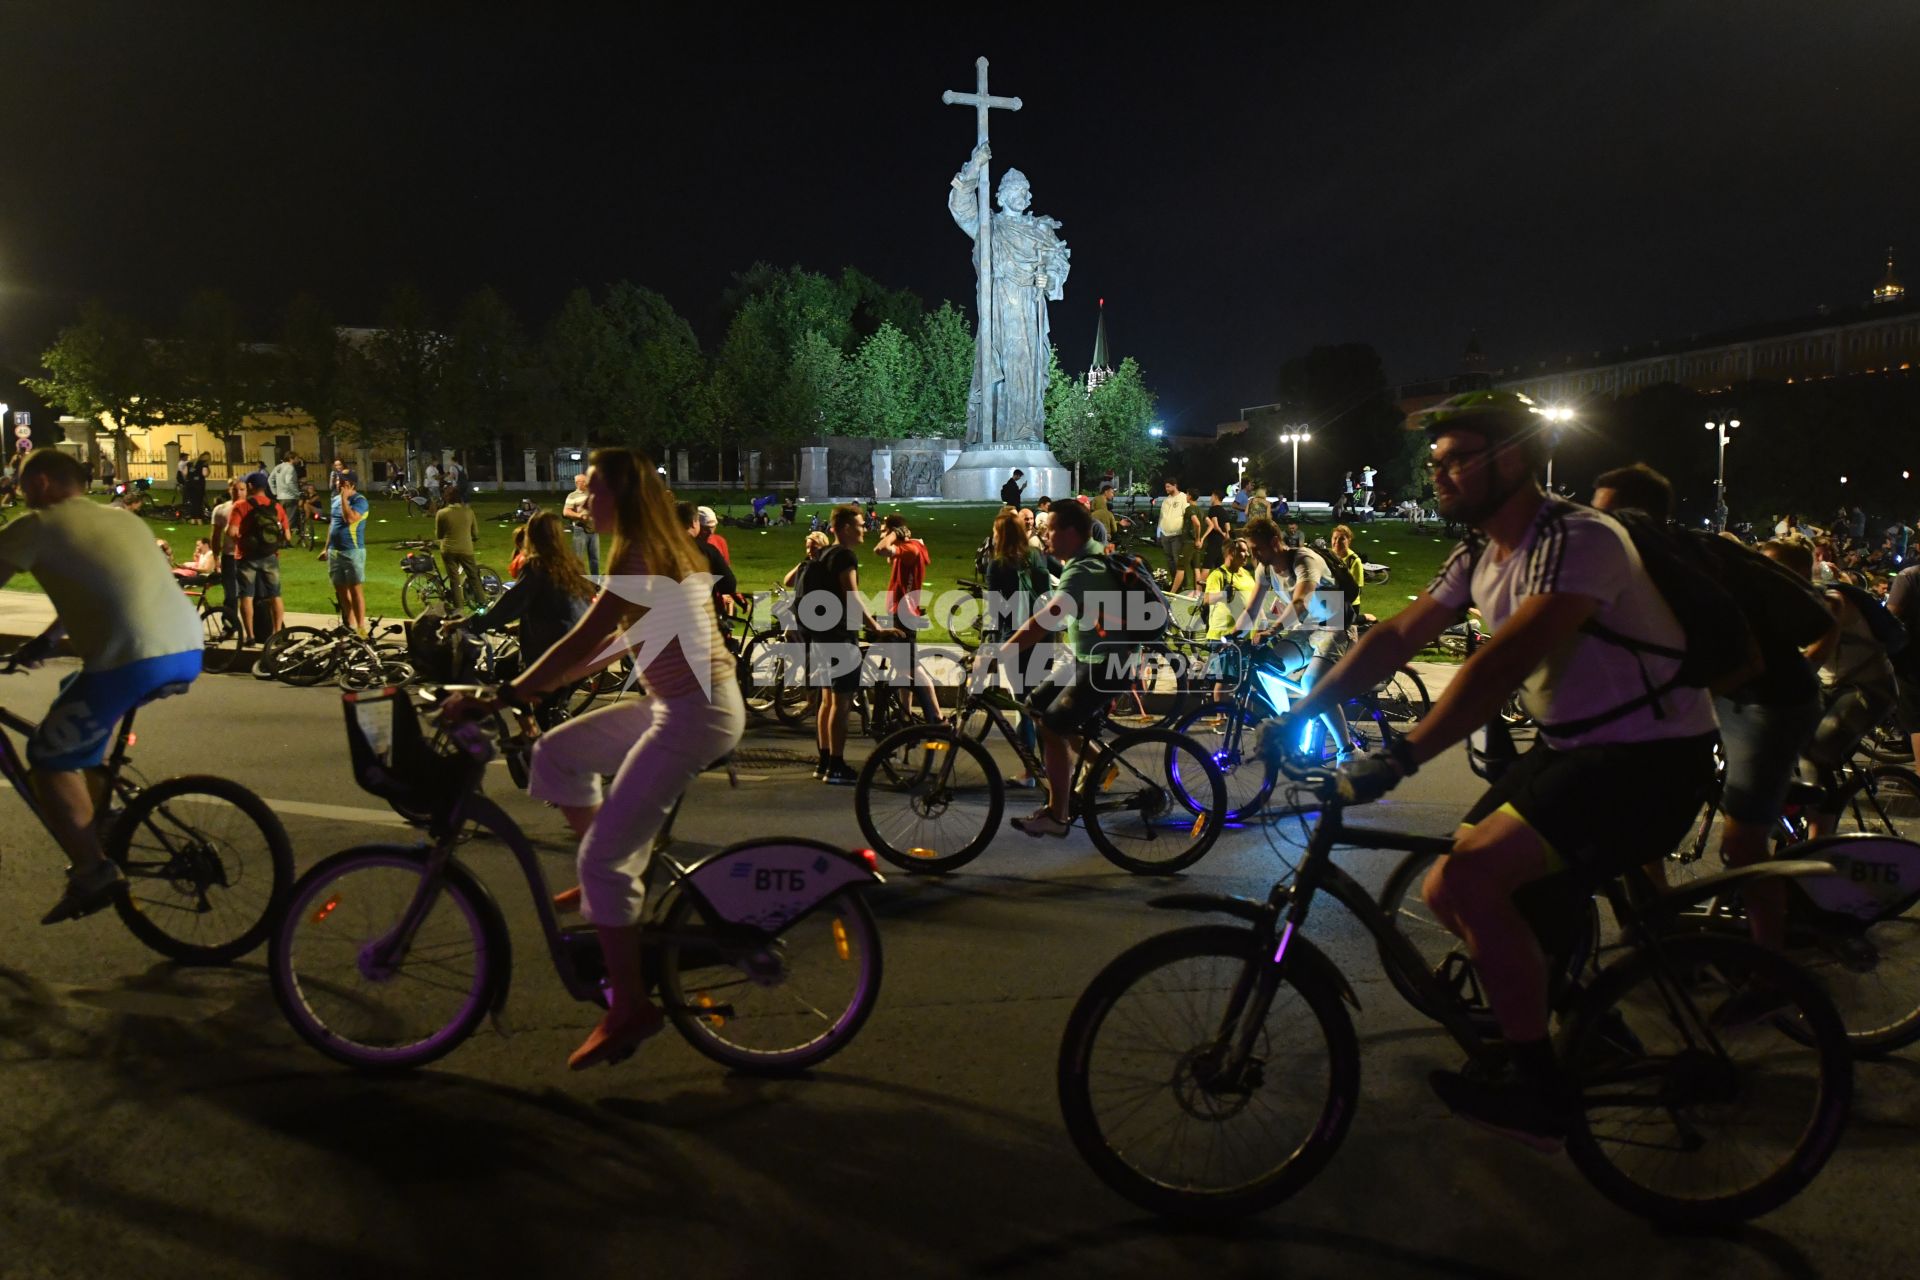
(1498, 415)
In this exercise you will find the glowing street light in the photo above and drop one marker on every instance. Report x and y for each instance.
(1720, 474)
(1296, 435)
(1558, 415)
(1239, 470)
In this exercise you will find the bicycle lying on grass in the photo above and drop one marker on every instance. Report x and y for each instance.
(1212, 1071)
(764, 955)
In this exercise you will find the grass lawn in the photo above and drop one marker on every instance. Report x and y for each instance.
(762, 556)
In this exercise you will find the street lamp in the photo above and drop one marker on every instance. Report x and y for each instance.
(1720, 473)
(1239, 470)
(1296, 436)
(1557, 416)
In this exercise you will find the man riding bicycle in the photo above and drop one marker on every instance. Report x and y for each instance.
(135, 631)
(1625, 755)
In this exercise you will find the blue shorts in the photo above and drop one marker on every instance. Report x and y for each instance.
(346, 568)
(80, 724)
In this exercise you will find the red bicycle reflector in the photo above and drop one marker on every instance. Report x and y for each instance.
(321, 915)
(869, 857)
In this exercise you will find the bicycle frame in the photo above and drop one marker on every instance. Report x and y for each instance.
(14, 768)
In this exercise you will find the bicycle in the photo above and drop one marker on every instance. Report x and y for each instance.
(1263, 689)
(207, 863)
(426, 586)
(1126, 791)
(765, 956)
(1257, 1036)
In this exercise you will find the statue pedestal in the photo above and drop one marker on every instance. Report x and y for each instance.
(982, 469)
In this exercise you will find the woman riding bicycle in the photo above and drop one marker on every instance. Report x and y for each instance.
(653, 746)
(547, 599)
(1017, 580)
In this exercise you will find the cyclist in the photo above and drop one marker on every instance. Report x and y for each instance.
(1312, 614)
(653, 746)
(1072, 699)
(135, 631)
(546, 599)
(1619, 770)
(1227, 592)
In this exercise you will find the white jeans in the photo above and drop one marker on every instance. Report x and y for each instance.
(653, 747)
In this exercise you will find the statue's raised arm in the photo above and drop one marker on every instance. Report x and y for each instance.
(963, 202)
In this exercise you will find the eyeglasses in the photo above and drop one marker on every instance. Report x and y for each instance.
(1456, 463)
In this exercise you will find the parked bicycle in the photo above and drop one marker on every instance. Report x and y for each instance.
(930, 797)
(764, 955)
(206, 861)
(1212, 1071)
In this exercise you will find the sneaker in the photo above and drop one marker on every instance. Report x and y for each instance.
(839, 774)
(1026, 782)
(87, 892)
(1041, 822)
(1751, 1005)
(820, 768)
(1511, 1106)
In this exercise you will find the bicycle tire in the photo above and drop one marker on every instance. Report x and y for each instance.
(1156, 694)
(852, 936)
(276, 649)
(1602, 1034)
(1883, 800)
(890, 768)
(421, 591)
(193, 866)
(1232, 949)
(1155, 798)
(1248, 780)
(794, 712)
(309, 664)
(308, 905)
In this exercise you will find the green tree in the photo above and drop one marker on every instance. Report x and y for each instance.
(1123, 407)
(946, 370)
(223, 379)
(485, 371)
(103, 366)
(886, 385)
(399, 375)
(312, 372)
(581, 359)
(754, 395)
(660, 379)
(819, 376)
(1074, 432)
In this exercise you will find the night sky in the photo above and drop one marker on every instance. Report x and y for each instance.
(1556, 176)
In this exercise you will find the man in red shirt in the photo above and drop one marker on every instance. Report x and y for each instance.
(258, 530)
(906, 604)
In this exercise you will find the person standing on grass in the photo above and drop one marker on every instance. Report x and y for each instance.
(586, 543)
(459, 535)
(259, 529)
(346, 551)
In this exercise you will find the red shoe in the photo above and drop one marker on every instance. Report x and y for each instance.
(611, 1043)
(567, 899)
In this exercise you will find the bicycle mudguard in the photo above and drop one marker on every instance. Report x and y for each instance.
(769, 884)
(1875, 877)
(1705, 889)
(1299, 950)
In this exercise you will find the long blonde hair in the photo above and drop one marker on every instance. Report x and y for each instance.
(643, 516)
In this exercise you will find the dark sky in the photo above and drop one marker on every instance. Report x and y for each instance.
(1558, 176)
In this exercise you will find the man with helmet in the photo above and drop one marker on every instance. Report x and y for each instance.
(1624, 757)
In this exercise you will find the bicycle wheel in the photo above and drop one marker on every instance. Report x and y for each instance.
(422, 591)
(301, 656)
(789, 1005)
(1128, 794)
(1230, 735)
(794, 708)
(762, 671)
(1443, 953)
(1155, 695)
(1694, 1124)
(493, 585)
(1883, 800)
(1403, 700)
(207, 865)
(1887, 742)
(358, 665)
(353, 1002)
(928, 799)
(1147, 1105)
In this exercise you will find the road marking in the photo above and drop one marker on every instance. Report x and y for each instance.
(337, 812)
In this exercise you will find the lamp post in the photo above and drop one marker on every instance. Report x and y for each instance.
(1720, 472)
(1239, 470)
(1557, 417)
(1154, 432)
(1295, 436)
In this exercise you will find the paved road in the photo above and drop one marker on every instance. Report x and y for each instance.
(165, 1123)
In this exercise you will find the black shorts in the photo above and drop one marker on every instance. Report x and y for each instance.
(1907, 702)
(1067, 709)
(834, 664)
(1604, 809)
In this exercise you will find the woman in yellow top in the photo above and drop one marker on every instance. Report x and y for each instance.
(1342, 543)
(1226, 593)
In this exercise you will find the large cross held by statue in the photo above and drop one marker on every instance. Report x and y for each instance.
(983, 102)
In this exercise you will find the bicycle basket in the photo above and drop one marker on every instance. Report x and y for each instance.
(417, 562)
(393, 758)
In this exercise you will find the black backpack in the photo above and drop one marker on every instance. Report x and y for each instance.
(260, 531)
(1719, 651)
(816, 578)
(1146, 613)
(1780, 606)
(1887, 629)
(1343, 583)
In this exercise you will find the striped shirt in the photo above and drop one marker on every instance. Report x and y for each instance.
(1578, 550)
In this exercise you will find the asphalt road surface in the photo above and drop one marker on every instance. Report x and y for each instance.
(164, 1122)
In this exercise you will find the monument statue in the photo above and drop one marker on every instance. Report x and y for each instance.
(1025, 265)
(1020, 265)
